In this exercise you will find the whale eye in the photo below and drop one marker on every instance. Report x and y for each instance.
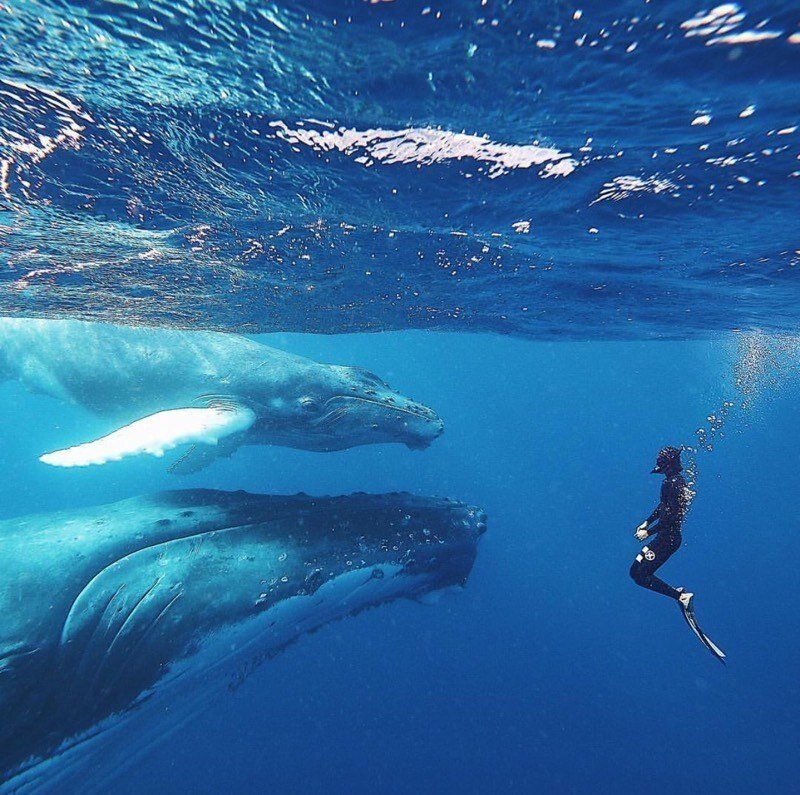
(309, 404)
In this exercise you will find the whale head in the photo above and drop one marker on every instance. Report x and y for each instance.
(139, 612)
(335, 407)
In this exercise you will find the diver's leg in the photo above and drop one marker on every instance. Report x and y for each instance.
(648, 560)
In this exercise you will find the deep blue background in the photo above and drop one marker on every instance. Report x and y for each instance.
(551, 670)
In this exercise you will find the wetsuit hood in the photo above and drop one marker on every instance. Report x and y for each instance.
(668, 462)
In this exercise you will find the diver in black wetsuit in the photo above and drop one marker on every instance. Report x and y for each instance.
(665, 521)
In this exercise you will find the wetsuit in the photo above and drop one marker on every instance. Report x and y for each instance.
(668, 516)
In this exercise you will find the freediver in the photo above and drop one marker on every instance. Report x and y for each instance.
(666, 523)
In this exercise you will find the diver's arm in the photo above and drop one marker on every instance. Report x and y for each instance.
(647, 528)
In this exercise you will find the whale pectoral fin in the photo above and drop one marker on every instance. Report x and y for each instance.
(199, 457)
(156, 434)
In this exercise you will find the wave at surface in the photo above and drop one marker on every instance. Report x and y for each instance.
(531, 169)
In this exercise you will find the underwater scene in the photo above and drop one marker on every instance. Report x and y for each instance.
(399, 396)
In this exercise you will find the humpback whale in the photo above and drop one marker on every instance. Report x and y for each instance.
(118, 623)
(161, 388)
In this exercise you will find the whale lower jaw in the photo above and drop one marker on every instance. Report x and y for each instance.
(223, 662)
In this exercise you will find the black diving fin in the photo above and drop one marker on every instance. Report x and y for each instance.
(688, 614)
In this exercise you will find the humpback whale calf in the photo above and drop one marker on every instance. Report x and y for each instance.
(118, 623)
(160, 388)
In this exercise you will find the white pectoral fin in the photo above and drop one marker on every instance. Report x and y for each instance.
(157, 434)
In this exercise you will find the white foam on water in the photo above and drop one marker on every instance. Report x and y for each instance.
(721, 26)
(626, 185)
(715, 17)
(426, 146)
(34, 146)
(746, 37)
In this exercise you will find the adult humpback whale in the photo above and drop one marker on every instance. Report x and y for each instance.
(117, 623)
(160, 388)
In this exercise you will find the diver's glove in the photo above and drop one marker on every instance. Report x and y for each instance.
(642, 533)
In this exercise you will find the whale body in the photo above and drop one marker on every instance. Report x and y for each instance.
(212, 392)
(132, 616)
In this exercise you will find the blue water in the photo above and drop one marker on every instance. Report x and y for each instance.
(593, 200)
(551, 669)
(547, 169)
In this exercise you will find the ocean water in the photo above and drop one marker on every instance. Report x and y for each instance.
(572, 230)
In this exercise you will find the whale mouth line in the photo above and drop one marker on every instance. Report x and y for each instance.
(385, 405)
